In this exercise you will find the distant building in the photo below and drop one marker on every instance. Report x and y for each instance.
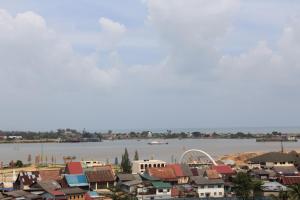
(208, 188)
(272, 159)
(140, 166)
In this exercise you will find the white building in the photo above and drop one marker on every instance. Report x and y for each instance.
(209, 188)
(140, 166)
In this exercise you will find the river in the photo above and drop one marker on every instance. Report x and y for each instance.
(108, 150)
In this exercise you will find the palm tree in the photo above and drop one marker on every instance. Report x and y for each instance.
(294, 192)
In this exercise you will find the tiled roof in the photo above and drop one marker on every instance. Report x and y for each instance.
(128, 177)
(291, 170)
(48, 186)
(50, 175)
(74, 168)
(290, 180)
(76, 180)
(28, 178)
(177, 169)
(163, 173)
(105, 175)
(212, 174)
(199, 180)
(223, 169)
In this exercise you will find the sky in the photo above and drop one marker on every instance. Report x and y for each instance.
(146, 64)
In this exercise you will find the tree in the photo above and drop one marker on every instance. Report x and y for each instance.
(256, 188)
(19, 163)
(125, 163)
(136, 155)
(242, 185)
(116, 161)
(294, 192)
(29, 159)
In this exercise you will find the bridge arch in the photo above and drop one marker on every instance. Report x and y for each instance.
(200, 151)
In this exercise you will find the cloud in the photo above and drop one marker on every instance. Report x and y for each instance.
(265, 65)
(33, 57)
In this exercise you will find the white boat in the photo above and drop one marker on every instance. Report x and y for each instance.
(157, 142)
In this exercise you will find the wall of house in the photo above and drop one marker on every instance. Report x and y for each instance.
(76, 197)
(183, 180)
(140, 166)
(211, 191)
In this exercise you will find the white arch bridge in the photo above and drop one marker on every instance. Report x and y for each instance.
(197, 156)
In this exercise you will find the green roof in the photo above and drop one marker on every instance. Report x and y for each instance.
(147, 177)
(160, 184)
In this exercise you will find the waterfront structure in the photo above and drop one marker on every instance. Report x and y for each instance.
(140, 166)
(197, 158)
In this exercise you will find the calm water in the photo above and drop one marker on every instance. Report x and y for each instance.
(110, 149)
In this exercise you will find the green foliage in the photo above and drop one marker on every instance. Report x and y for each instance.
(136, 155)
(242, 185)
(19, 163)
(294, 192)
(125, 163)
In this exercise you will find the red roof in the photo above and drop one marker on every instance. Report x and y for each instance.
(74, 168)
(290, 180)
(57, 193)
(177, 169)
(163, 173)
(223, 169)
(47, 175)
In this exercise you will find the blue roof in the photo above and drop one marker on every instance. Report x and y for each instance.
(93, 194)
(78, 180)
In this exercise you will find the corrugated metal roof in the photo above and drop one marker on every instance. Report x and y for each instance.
(161, 185)
(76, 180)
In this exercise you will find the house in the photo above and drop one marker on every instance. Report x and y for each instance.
(260, 174)
(208, 188)
(74, 168)
(271, 159)
(92, 195)
(154, 190)
(272, 188)
(140, 166)
(67, 194)
(44, 188)
(130, 186)
(182, 172)
(76, 180)
(226, 171)
(100, 178)
(25, 179)
(164, 174)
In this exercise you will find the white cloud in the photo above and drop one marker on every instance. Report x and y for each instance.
(33, 57)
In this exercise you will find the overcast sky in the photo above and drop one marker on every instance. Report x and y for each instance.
(143, 64)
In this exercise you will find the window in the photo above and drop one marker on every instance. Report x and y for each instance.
(168, 190)
(146, 166)
(219, 186)
(210, 186)
(220, 193)
(154, 165)
(160, 190)
(202, 186)
(149, 165)
(215, 194)
(158, 165)
(142, 166)
(202, 194)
